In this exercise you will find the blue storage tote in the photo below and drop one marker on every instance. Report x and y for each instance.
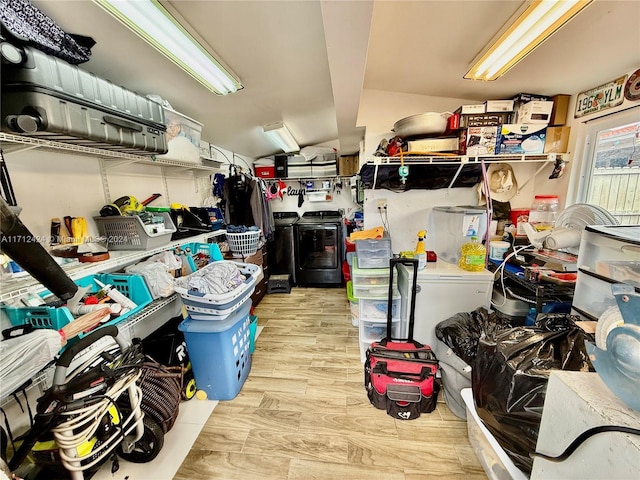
(207, 250)
(212, 306)
(220, 352)
(132, 286)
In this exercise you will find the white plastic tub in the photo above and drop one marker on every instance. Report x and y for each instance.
(496, 463)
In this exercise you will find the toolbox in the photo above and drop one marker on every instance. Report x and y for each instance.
(45, 97)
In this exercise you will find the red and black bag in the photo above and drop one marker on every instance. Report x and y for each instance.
(400, 375)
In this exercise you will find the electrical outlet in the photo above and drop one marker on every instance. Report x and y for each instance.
(382, 204)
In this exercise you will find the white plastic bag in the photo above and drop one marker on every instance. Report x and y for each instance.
(155, 271)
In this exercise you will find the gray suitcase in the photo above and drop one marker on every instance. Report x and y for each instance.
(46, 97)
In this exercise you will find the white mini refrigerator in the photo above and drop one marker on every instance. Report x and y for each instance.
(443, 289)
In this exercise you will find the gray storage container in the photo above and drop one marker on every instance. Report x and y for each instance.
(46, 97)
(456, 375)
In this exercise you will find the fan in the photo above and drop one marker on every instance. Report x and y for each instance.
(567, 232)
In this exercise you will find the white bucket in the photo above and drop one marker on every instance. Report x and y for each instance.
(497, 249)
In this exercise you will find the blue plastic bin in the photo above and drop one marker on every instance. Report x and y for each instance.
(220, 352)
(133, 286)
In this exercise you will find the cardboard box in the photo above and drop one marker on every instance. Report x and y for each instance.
(482, 140)
(471, 108)
(519, 138)
(348, 165)
(560, 110)
(498, 106)
(434, 145)
(557, 140)
(535, 112)
(522, 98)
(462, 142)
(484, 119)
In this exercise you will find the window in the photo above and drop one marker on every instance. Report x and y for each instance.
(612, 174)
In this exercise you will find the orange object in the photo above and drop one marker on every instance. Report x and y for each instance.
(376, 232)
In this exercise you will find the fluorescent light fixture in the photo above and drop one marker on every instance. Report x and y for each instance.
(280, 135)
(154, 24)
(531, 26)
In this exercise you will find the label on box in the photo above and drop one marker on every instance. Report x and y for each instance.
(482, 140)
(521, 139)
(535, 112)
(433, 145)
(472, 108)
(484, 119)
(499, 106)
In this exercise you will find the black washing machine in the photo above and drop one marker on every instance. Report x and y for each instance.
(319, 248)
(281, 254)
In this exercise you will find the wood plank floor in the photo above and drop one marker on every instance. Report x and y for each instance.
(303, 412)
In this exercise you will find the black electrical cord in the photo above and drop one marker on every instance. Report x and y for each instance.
(581, 439)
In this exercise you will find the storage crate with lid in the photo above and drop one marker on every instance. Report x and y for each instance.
(129, 232)
(183, 137)
(202, 305)
(220, 352)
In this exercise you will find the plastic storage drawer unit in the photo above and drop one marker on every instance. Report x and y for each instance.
(373, 253)
(375, 310)
(220, 353)
(368, 276)
(593, 294)
(612, 251)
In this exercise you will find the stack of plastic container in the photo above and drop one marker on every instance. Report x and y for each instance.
(370, 281)
(217, 332)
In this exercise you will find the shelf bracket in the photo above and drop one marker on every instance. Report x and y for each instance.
(105, 181)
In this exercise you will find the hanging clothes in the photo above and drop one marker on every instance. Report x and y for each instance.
(246, 203)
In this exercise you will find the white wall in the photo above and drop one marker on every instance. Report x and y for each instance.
(289, 202)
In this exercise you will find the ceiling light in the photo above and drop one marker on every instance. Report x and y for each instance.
(531, 26)
(153, 23)
(280, 135)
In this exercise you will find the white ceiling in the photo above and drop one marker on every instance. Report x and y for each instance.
(306, 62)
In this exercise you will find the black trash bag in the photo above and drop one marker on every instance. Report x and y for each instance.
(462, 332)
(426, 176)
(509, 379)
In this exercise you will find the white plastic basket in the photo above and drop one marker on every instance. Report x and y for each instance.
(245, 243)
(218, 306)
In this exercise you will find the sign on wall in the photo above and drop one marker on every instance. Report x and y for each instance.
(605, 96)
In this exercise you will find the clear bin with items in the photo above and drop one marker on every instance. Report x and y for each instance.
(368, 276)
(373, 253)
(376, 310)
